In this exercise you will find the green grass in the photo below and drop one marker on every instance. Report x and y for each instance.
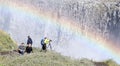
(111, 63)
(49, 58)
(41, 59)
(6, 43)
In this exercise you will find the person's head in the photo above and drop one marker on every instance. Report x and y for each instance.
(28, 36)
(45, 38)
(22, 43)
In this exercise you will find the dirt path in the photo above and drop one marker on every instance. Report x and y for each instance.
(9, 52)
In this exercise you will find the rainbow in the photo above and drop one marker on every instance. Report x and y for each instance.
(108, 47)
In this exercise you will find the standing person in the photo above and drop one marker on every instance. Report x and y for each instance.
(42, 44)
(29, 40)
(47, 41)
(21, 49)
(29, 49)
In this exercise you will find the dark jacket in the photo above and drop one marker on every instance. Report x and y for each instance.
(29, 41)
(29, 49)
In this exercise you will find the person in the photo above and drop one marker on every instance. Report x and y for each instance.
(21, 49)
(50, 44)
(46, 42)
(29, 49)
(29, 40)
(42, 44)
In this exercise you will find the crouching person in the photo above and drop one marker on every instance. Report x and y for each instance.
(21, 49)
(29, 49)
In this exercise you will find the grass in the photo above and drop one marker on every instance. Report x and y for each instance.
(6, 43)
(40, 59)
(111, 63)
(49, 58)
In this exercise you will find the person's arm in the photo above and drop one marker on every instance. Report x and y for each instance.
(24, 48)
(19, 48)
(27, 41)
(31, 41)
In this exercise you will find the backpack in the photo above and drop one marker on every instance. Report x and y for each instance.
(42, 42)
